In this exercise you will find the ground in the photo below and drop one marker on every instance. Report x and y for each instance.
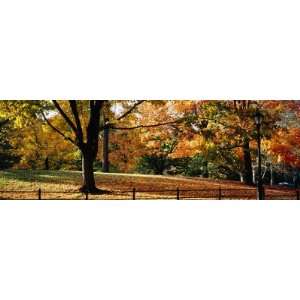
(24, 184)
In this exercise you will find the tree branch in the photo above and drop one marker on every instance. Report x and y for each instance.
(230, 147)
(67, 119)
(57, 130)
(79, 133)
(130, 110)
(147, 126)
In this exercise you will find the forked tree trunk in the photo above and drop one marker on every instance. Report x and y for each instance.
(247, 172)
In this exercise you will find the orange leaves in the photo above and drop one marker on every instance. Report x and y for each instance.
(285, 146)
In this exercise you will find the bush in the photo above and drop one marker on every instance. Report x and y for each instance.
(153, 164)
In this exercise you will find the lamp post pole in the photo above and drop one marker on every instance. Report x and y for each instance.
(259, 189)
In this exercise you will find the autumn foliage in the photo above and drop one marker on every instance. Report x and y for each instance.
(217, 138)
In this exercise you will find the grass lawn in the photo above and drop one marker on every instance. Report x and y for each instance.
(121, 186)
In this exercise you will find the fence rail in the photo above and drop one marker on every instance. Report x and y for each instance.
(142, 194)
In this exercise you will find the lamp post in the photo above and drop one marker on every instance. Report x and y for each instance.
(259, 189)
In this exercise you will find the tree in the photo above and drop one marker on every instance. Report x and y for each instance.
(86, 138)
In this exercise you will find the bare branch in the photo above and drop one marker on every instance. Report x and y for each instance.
(149, 126)
(130, 110)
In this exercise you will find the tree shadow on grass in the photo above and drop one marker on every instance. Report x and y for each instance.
(43, 176)
(48, 180)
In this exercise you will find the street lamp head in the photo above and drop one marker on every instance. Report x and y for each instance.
(258, 117)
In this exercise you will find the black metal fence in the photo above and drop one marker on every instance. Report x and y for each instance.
(139, 194)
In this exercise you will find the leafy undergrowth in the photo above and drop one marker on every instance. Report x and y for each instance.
(24, 184)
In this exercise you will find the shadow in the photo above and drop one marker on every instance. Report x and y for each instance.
(43, 176)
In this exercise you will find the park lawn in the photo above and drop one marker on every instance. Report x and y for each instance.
(24, 184)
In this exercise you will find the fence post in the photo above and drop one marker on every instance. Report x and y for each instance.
(298, 195)
(220, 193)
(177, 194)
(39, 194)
(86, 195)
(133, 194)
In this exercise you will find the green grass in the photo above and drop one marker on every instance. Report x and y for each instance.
(32, 179)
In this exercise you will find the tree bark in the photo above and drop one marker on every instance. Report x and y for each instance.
(247, 172)
(88, 178)
(89, 149)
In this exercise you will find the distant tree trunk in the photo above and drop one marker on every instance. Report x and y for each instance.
(247, 173)
(159, 165)
(271, 175)
(205, 170)
(105, 163)
(47, 163)
(297, 179)
(241, 177)
(253, 175)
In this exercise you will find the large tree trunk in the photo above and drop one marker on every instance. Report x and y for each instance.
(88, 178)
(89, 149)
(247, 172)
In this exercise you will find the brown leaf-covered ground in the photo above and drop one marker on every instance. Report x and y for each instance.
(24, 184)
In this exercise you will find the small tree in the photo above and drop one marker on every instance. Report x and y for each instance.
(7, 157)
